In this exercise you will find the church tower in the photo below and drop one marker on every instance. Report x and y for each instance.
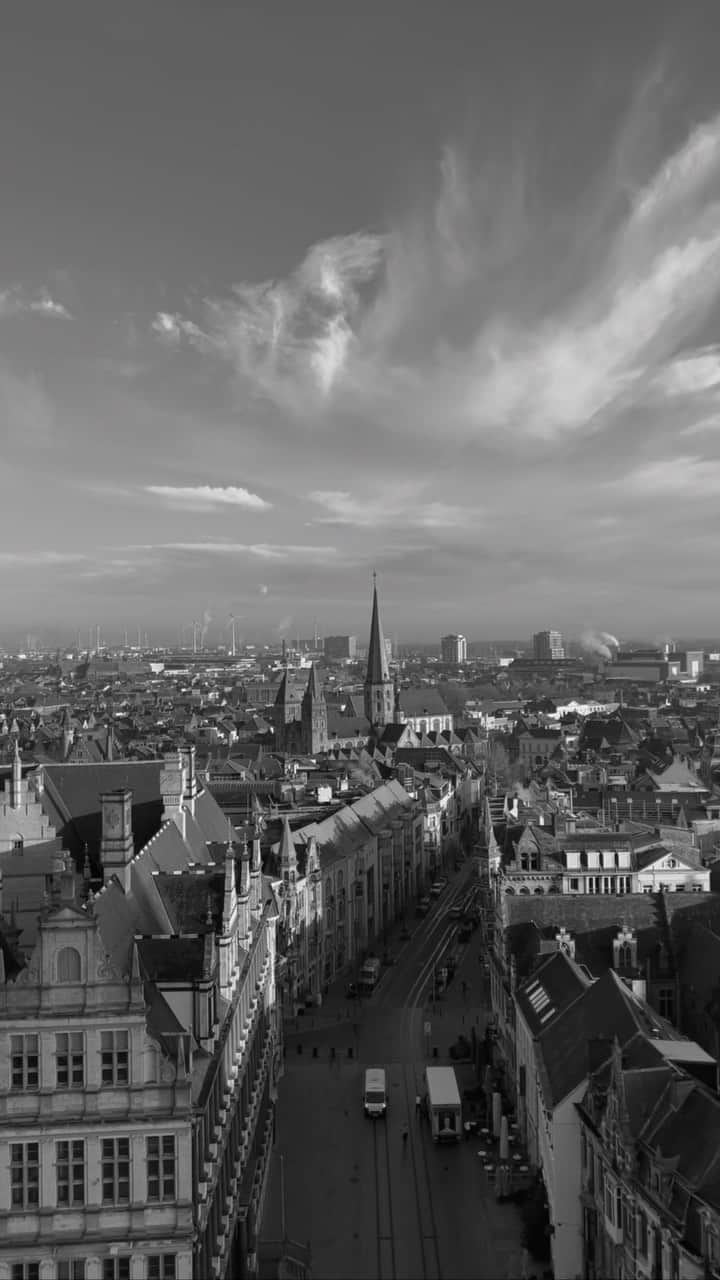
(314, 716)
(379, 690)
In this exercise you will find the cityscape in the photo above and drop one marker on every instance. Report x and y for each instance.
(359, 653)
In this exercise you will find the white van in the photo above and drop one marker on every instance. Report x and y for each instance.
(375, 1092)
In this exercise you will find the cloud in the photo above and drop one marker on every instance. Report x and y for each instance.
(402, 504)
(41, 558)
(204, 497)
(473, 317)
(172, 329)
(686, 475)
(17, 301)
(289, 334)
(259, 550)
(691, 374)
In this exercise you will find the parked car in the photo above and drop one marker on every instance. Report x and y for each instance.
(456, 911)
(422, 907)
(436, 888)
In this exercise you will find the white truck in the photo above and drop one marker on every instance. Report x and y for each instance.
(369, 975)
(375, 1093)
(444, 1108)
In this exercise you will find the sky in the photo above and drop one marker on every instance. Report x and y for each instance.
(291, 292)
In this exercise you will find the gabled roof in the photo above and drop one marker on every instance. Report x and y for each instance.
(552, 987)
(606, 1009)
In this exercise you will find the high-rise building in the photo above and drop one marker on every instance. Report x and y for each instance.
(339, 648)
(453, 649)
(548, 646)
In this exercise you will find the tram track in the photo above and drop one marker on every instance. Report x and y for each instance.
(386, 1259)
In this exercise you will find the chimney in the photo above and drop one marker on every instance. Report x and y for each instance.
(17, 797)
(172, 790)
(256, 872)
(243, 899)
(117, 846)
(190, 791)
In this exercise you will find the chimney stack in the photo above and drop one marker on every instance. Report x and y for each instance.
(117, 846)
(243, 899)
(172, 790)
(187, 755)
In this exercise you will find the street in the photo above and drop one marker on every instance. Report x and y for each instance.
(371, 1204)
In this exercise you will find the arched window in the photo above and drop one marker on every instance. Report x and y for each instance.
(525, 889)
(17, 843)
(539, 890)
(69, 968)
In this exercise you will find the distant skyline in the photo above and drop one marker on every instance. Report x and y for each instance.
(294, 292)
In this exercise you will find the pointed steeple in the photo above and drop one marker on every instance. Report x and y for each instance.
(314, 715)
(377, 667)
(379, 692)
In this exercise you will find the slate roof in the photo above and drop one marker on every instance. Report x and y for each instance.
(552, 987)
(171, 959)
(71, 800)
(422, 702)
(193, 899)
(606, 1009)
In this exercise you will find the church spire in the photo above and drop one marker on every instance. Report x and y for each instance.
(379, 693)
(377, 667)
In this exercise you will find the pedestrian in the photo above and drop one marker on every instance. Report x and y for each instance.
(405, 1138)
(418, 1104)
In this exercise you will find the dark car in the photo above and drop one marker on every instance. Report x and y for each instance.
(405, 934)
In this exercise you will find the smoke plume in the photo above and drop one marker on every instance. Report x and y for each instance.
(600, 642)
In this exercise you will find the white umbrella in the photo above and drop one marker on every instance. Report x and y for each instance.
(496, 1114)
(504, 1153)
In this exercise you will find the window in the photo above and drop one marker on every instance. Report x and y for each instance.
(69, 968)
(17, 844)
(642, 1234)
(71, 1269)
(70, 1059)
(574, 882)
(25, 1271)
(24, 1063)
(70, 1172)
(161, 1167)
(114, 1058)
(666, 1003)
(116, 1268)
(116, 1170)
(24, 1175)
(161, 1266)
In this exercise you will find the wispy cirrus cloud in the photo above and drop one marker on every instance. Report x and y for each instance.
(289, 334)
(427, 324)
(686, 475)
(260, 550)
(18, 301)
(204, 497)
(401, 505)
